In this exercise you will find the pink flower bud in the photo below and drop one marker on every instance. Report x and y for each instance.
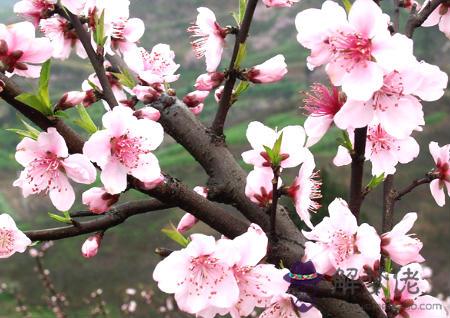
(279, 3)
(146, 94)
(270, 71)
(91, 245)
(209, 81)
(98, 200)
(153, 184)
(148, 113)
(74, 98)
(197, 109)
(186, 223)
(218, 94)
(195, 98)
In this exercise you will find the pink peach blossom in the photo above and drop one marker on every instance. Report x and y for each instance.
(198, 276)
(400, 247)
(12, 239)
(356, 51)
(21, 51)
(156, 67)
(441, 156)
(124, 147)
(395, 100)
(259, 187)
(62, 37)
(34, 10)
(125, 33)
(383, 150)
(321, 104)
(441, 16)
(210, 38)
(406, 294)
(288, 306)
(340, 244)
(98, 200)
(48, 166)
(218, 94)
(258, 283)
(305, 191)
(209, 81)
(91, 246)
(280, 3)
(292, 145)
(188, 220)
(270, 71)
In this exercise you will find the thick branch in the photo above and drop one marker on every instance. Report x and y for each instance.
(209, 212)
(225, 100)
(416, 19)
(116, 216)
(323, 293)
(357, 173)
(388, 203)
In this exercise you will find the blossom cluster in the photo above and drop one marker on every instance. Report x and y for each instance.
(211, 277)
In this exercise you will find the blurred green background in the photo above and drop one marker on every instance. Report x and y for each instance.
(126, 258)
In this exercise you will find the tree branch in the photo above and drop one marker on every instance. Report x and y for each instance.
(225, 100)
(418, 182)
(388, 204)
(416, 19)
(323, 293)
(357, 171)
(116, 216)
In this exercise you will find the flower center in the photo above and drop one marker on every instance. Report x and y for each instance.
(390, 93)
(321, 101)
(43, 173)
(343, 245)
(119, 29)
(350, 49)
(6, 241)
(380, 140)
(444, 170)
(200, 43)
(127, 150)
(155, 62)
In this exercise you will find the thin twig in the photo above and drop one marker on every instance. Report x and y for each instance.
(95, 59)
(117, 216)
(274, 205)
(357, 171)
(418, 182)
(416, 19)
(225, 100)
(388, 204)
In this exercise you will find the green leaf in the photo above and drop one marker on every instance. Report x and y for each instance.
(175, 236)
(61, 114)
(241, 88)
(99, 34)
(239, 16)
(29, 131)
(345, 141)
(125, 78)
(63, 219)
(375, 181)
(277, 145)
(269, 152)
(242, 53)
(34, 102)
(85, 120)
(347, 5)
(44, 79)
(242, 7)
(22, 133)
